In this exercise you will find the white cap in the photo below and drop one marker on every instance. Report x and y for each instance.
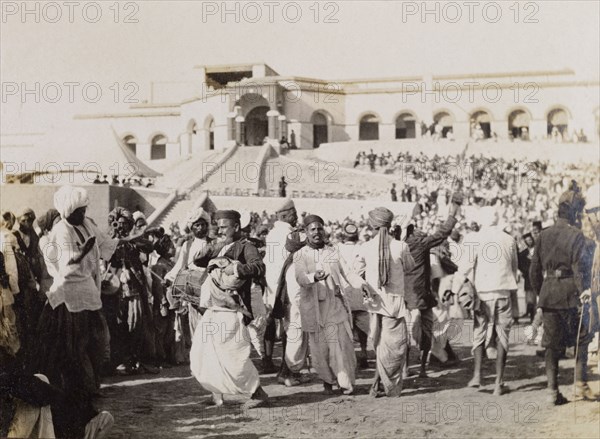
(592, 197)
(244, 219)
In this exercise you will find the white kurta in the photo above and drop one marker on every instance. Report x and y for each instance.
(326, 315)
(76, 285)
(389, 299)
(191, 249)
(8, 243)
(275, 257)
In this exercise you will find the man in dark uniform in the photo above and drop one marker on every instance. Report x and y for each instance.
(559, 273)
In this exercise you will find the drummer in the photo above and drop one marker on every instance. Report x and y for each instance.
(198, 222)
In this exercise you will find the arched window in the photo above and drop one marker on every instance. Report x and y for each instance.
(158, 150)
(211, 134)
(481, 125)
(559, 119)
(320, 129)
(518, 124)
(406, 126)
(443, 122)
(131, 143)
(369, 127)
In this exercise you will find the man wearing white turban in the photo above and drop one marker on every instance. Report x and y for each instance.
(198, 221)
(75, 247)
(73, 333)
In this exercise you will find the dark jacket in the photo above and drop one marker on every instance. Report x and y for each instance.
(560, 247)
(418, 280)
(524, 262)
(251, 267)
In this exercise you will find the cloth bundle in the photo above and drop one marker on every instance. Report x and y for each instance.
(223, 287)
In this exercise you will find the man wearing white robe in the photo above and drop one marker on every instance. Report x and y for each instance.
(295, 346)
(325, 311)
(220, 354)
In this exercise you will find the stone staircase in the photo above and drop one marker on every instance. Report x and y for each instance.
(320, 179)
(239, 175)
(188, 170)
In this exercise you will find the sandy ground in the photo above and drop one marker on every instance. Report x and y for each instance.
(173, 405)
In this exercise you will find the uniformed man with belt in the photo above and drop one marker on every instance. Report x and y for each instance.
(559, 274)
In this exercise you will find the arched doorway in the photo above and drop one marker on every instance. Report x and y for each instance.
(368, 128)
(158, 148)
(320, 129)
(406, 126)
(131, 143)
(444, 120)
(481, 125)
(559, 119)
(256, 125)
(209, 128)
(518, 124)
(192, 131)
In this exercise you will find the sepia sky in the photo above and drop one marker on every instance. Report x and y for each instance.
(162, 41)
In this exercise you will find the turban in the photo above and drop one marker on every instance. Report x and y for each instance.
(309, 219)
(119, 212)
(381, 217)
(592, 198)
(138, 215)
(286, 204)
(350, 229)
(233, 215)
(47, 220)
(572, 198)
(26, 212)
(198, 214)
(70, 198)
(245, 219)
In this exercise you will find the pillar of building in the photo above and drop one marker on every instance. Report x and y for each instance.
(239, 130)
(500, 127)
(142, 151)
(231, 125)
(538, 129)
(273, 116)
(283, 126)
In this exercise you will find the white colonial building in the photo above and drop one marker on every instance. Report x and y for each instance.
(251, 102)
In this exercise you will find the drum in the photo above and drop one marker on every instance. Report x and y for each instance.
(189, 282)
